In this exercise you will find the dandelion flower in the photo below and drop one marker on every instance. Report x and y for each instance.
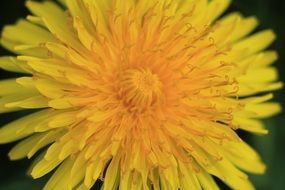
(141, 94)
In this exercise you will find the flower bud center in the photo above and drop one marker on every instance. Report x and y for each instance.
(141, 87)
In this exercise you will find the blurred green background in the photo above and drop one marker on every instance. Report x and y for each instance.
(271, 14)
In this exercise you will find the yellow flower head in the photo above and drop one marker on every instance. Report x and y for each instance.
(142, 94)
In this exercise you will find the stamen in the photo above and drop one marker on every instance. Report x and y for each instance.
(141, 88)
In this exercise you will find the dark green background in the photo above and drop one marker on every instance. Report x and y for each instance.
(271, 14)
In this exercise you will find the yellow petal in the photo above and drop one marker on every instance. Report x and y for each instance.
(79, 10)
(255, 43)
(25, 32)
(85, 37)
(7, 99)
(21, 149)
(125, 181)
(242, 27)
(21, 128)
(10, 86)
(268, 74)
(112, 174)
(29, 146)
(63, 119)
(244, 157)
(265, 109)
(229, 174)
(57, 49)
(259, 60)
(78, 169)
(41, 166)
(60, 179)
(50, 89)
(251, 125)
(246, 89)
(56, 21)
(35, 20)
(206, 180)
(217, 7)
(12, 64)
(188, 179)
(29, 103)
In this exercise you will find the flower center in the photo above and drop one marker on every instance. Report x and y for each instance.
(141, 88)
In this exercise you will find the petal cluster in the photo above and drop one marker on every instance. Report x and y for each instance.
(141, 94)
